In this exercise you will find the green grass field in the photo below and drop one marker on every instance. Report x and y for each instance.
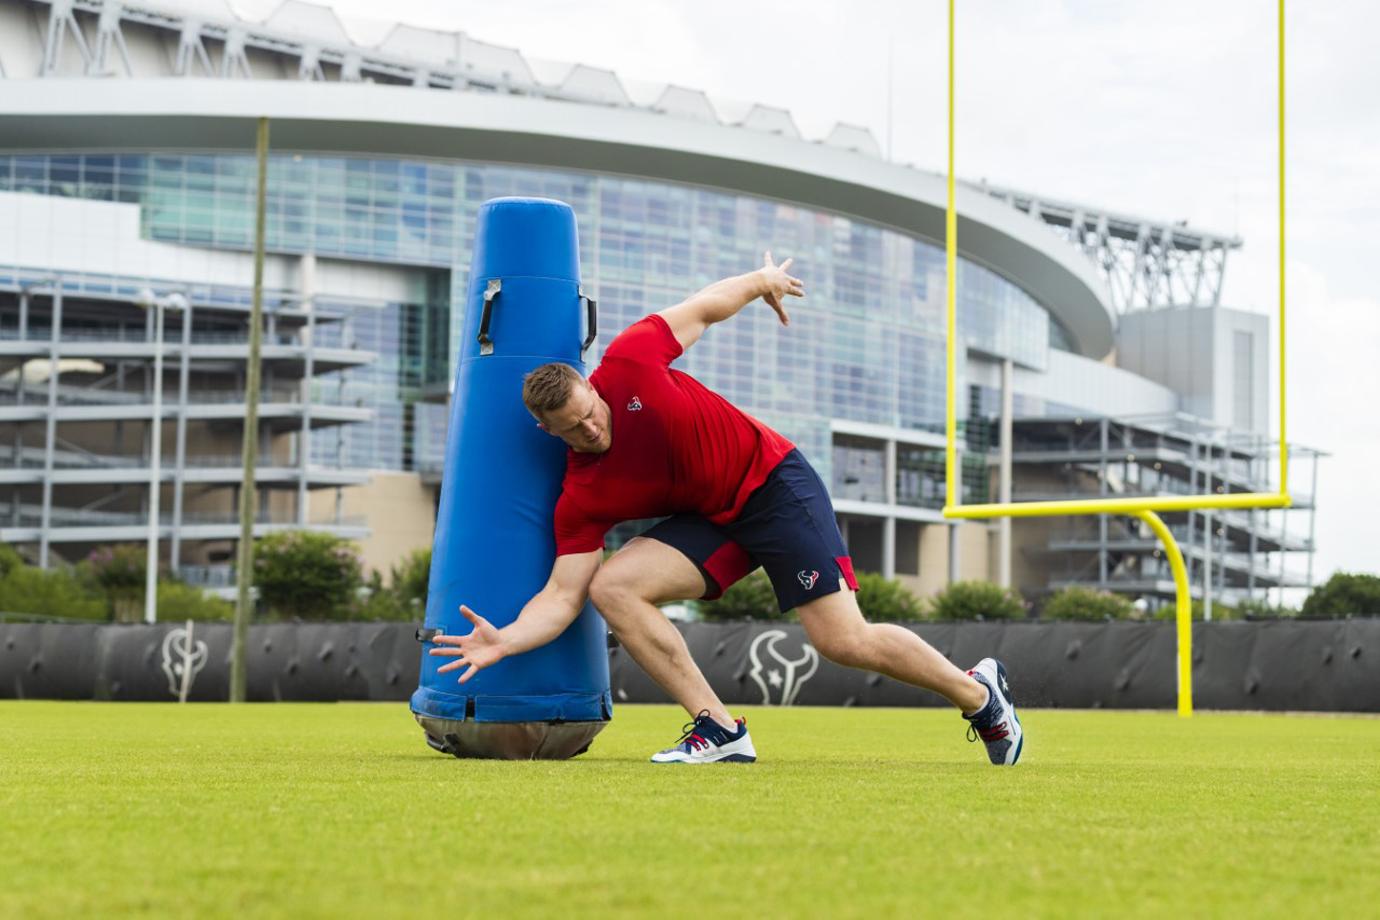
(244, 811)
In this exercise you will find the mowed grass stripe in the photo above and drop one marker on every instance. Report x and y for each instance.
(292, 809)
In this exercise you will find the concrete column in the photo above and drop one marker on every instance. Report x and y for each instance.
(155, 441)
(1250, 563)
(307, 286)
(953, 553)
(889, 522)
(1104, 438)
(50, 427)
(889, 547)
(179, 473)
(19, 400)
(1283, 537)
(1193, 490)
(1207, 540)
(119, 446)
(1004, 486)
(1312, 519)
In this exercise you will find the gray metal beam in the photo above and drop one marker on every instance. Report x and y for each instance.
(308, 284)
(180, 462)
(50, 424)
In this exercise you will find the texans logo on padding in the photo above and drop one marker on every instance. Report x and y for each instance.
(775, 674)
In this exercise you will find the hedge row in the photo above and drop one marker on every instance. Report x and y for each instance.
(316, 576)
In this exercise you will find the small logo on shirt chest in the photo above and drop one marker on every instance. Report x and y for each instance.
(635, 405)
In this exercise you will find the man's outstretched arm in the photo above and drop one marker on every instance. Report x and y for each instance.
(542, 619)
(722, 299)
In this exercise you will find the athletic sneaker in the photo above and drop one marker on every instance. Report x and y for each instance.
(706, 741)
(996, 723)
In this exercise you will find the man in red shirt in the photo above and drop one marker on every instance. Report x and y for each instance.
(738, 495)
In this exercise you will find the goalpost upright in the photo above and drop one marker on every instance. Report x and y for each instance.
(1142, 507)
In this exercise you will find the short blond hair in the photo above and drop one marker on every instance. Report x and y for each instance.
(548, 388)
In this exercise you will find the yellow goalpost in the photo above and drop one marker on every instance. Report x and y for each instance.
(1144, 508)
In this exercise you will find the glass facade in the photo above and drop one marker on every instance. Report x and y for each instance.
(866, 344)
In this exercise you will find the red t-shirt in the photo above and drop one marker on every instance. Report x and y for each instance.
(677, 446)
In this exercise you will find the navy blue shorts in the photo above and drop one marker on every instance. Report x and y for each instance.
(787, 526)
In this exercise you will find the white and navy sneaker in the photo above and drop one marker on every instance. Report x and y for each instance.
(706, 741)
(996, 723)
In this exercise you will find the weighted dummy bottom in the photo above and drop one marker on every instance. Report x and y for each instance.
(509, 740)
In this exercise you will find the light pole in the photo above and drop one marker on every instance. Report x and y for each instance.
(147, 300)
(244, 564)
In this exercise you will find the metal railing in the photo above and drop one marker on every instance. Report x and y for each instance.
(36, 396)
(31, 515)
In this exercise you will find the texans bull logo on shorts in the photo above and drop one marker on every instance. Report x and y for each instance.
(807, 579)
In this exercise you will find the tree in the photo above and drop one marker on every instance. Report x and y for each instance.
(307, 575)
(1076, 603)
(977, 600)
(1344, 594)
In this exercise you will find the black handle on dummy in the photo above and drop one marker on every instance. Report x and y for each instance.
(591, 322)
(486, 343)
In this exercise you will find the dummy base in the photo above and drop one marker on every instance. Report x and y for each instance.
(509, 740)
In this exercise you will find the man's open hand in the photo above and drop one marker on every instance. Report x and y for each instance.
(779, 284)
(479, 649)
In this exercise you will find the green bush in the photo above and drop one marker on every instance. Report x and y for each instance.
(307, 575)
(119, 569)
(977, 600)
(119, 572)
(751, 598)
(80, 592)
(383, 603)
(1076, 603)
(9, 559)
(1220, 611)
(1344, 594)
(51, 593)
(1263, 609)
(410, 579)
(885, 600)
(179, 601)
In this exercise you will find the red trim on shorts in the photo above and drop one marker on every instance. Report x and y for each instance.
(846, 567)
(725, 565)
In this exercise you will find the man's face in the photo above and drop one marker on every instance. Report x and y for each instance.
(584, 422)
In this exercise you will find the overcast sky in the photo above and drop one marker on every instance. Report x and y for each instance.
(1164, 109)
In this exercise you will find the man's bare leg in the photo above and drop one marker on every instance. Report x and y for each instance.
(626, 590)
(837, 629)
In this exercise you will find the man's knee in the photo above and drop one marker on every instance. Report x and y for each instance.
(609, 592)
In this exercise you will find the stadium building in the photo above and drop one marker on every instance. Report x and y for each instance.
(1096, 340)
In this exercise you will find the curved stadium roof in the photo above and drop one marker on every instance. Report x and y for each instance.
(587, 121)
